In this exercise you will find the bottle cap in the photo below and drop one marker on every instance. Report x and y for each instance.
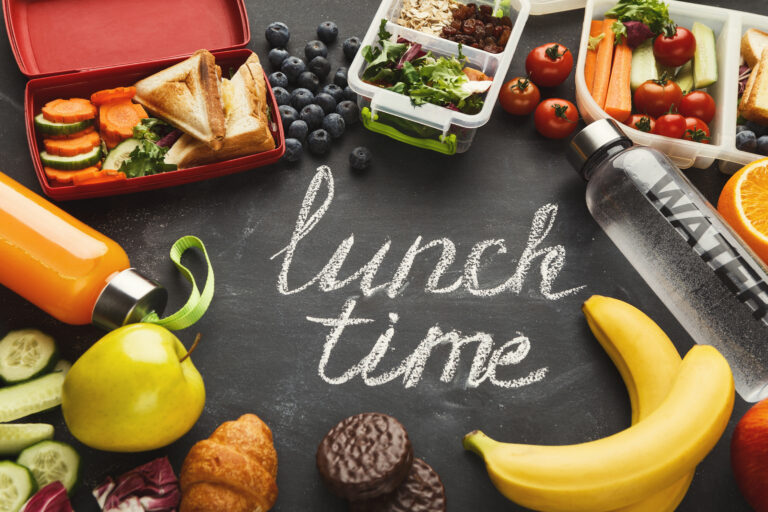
(128, 298)
(597, 136)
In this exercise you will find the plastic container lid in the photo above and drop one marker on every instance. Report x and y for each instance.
(61, 36)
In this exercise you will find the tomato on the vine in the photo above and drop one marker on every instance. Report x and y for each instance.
(656, 97)
(698, 104)
(670, 125)
(675, 50)
(641, 122)
(549, 64)
(556, 118)
(696, 130)
(519, 96)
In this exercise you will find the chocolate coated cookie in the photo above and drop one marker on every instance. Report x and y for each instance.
(422, 491)
(365, 456)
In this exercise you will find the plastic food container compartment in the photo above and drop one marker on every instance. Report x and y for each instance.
(65, 61)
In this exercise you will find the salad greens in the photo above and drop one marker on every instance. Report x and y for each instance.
(652, 13)
(148, 157)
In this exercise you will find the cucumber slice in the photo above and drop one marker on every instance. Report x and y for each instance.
(14, 437)
(51, 461)
(47, 127)
(643, 65)
(120, 154)
(33, 396)
(16, 486)
(684, 77)
(705, 58)
(26, 353)
(71, 163)
(62, 366)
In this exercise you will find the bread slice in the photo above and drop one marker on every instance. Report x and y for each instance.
(753, 42)
(748, 87)
(247, 123)
(755, 108)
(188, 96)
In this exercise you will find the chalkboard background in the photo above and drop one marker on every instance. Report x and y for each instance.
(260, 354)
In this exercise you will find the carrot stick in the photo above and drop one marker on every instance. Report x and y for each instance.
(618, 102)
(603, 64)
(69, 111)
(72, 147)
(589, 66)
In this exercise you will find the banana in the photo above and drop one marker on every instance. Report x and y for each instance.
(626, 467)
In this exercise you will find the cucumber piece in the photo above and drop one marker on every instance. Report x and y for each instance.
(71, 163)
(51, 461)
(684, 77)
(62, 366)
(643, 65)
(16, 486)
(705, 58)
(120, 154)
(29, 397)
(47, 127)
(26, 353)
(14, 437)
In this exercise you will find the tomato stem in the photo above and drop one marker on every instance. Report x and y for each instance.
(553, 52)
(560, 111)
(522, 84)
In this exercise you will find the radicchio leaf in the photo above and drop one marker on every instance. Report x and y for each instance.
(51, 498)
(744, 72)
(152, 487)
(414, 52)
(637, 33)
(169, 139)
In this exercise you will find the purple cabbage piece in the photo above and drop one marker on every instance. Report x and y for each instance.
(152, 487)
(169, 139)
(637, 33)
(412, 53)
(51, 498)
(744, 72)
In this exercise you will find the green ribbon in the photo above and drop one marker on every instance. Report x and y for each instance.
(198, 303)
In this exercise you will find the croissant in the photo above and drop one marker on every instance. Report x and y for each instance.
(234, 470)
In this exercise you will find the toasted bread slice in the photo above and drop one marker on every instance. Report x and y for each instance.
(753, 42)
(755, 106)
(188, 96)
(245, 106)
(748, 87)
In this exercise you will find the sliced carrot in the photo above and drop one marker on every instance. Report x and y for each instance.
(103, 176)
(69, 111)
(117, 118)
(72, 147)
(589, 65)
(618, 101)
(476, 75)
(118, 93)
(73, 135)
(111, 141)
(87, 175)
(603, 64)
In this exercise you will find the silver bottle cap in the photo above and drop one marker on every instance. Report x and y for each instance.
(127, 298)
(591, 139)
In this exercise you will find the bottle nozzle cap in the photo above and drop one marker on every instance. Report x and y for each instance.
(596, 136)
(128, 298)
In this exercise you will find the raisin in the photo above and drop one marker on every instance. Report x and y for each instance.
(486, 10)
(479, 31)
(468, 27)
(506, 21)
(449, 31)
(456, 24)
(505, 36)
(497, 30)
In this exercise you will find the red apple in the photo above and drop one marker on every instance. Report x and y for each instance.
(749, 455)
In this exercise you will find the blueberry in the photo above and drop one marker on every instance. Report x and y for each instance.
(319, 142)
(334, 125)
(278, 79)
(326, 102)
(293, 150)
(277, 34)
(350, 47)
(740, 128)
(293, 67)
(315, 49)
(298, 130)
(288, 115)
(360, 158)
(282, 96)
(340, 78)
(746, 141)
(762, 145)
(335, 91)
(327, 31)
(277, 56)
(349, 94)
(301, 97)
(313, 116)
(320, 67)
(349, 111)
(758, 129)
(308, 80)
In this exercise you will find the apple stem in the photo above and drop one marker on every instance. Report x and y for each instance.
(192, 348)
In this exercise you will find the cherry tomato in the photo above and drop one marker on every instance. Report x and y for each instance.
(656, 97)
(670, 125)
(675, 50)
(698, 104)
(549, 65)
(641, 122)
(519, 96)
(555, 118)
(696, 130)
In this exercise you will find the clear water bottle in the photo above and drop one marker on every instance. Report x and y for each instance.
(714, 285)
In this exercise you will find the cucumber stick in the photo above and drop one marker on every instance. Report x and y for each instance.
(684, 77)
(16, 486)
(14, 437)
(51, 461)
(643, 65)
(705, 58)
(26, 353)
(29, 397)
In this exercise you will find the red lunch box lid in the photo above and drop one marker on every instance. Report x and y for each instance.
(63, 36)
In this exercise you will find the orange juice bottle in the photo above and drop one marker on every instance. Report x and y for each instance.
(66, 268)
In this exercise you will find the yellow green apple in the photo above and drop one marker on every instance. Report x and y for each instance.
(133, 390)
